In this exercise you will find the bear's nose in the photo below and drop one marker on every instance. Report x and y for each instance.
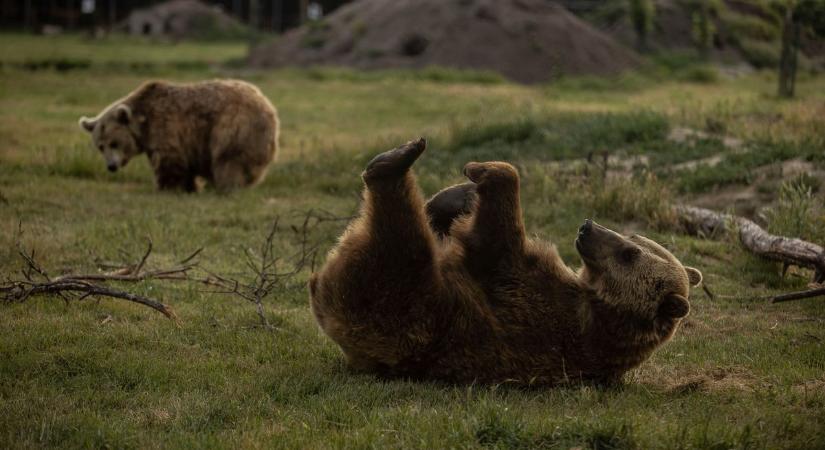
(112, 167)
(588, 224)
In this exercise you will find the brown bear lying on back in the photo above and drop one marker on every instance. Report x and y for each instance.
(224, 131)
(485, 303)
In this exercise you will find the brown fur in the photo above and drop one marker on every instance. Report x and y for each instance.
(224, 131)
(485, 303)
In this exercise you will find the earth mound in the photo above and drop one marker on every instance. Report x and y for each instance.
(528, 41)
(184, 19)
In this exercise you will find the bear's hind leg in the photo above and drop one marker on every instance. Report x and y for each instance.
(378, 294)
(229, 175)
(394, 208)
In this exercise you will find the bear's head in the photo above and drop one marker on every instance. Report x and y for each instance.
(114, 133)
(635, 274)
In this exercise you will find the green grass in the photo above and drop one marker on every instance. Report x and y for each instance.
(740, 373)
(115, 52)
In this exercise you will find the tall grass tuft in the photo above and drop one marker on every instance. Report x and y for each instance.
(798, 212)
(643, 197)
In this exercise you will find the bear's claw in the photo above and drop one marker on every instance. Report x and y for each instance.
(395, 162)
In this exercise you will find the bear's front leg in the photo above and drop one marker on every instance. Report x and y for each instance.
(497, 229)
(173, 175)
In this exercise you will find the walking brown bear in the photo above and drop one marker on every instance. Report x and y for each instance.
(485, 303)
(223, 131)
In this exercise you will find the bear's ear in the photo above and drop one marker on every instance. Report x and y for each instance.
(694, 276)
(674, 306)
(87, 123)
(123, 114)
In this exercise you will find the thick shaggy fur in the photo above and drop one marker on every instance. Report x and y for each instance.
(224, 131)
(484, 303)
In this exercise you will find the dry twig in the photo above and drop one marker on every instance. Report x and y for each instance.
(264, 266)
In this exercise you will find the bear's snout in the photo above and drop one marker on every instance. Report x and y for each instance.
(586, 227)
(594, 241)
(584, 231)
(112, 167)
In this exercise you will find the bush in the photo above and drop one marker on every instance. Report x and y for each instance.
(699, 74)
(760, 54)
(749, 27)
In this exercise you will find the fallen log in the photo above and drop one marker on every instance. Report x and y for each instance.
(789, 251)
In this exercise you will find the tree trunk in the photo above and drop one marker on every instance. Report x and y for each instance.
(254, 14)
(237, 9)
(302, 11)
(28, 15)
(791, 32)
(700, 221)
(277, 11)
(112, 14)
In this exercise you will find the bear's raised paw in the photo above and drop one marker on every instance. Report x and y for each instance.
(395, 162)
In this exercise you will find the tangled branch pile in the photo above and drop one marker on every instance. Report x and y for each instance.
(267, 274)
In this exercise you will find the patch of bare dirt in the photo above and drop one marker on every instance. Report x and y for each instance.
(683, 134)
(749, 200)
(743, 200)
(810, 387)
(525, 40)
(717, 379)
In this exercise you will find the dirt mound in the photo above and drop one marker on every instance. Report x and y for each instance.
(184, 19)
(525, 40)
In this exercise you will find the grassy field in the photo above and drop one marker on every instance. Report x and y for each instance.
(741, 373)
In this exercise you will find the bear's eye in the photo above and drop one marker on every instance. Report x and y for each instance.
(100, 147)
(113, 145)
(629, 255)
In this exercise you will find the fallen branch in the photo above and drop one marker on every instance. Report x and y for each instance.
(135, 273)
(789, 251)
(798, 295)
(265, 266)
(20, 291)
(36, 281)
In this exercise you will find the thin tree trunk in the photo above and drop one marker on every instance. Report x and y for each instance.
(27, 14)
(302, 11)
(255, 14)
(788, 60)
(112, 14)
(277, 10)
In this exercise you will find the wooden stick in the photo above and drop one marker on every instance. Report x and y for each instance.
(798, 295)
(21, 291)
